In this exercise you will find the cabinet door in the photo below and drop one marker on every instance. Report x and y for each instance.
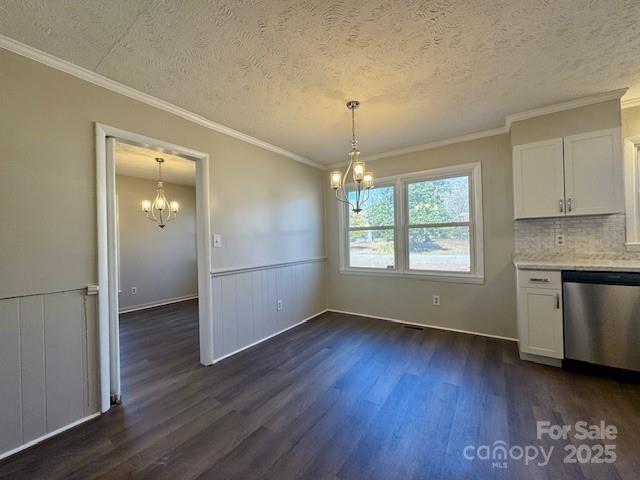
(593, 173)
(538, 182)
(540, 322)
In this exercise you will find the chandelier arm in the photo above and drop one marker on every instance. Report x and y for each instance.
(153, 214)
(346, 172)
(345, 199)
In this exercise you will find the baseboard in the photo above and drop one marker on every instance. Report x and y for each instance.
(437, 327)
(48, 435)
(160, 303)
(552, 362)
(268, 337)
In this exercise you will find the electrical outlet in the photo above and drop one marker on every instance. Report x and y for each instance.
(279, 305)
(560, 240)
(134, 290)
(436, 300)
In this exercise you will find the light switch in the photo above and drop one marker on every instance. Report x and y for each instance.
(217, 240)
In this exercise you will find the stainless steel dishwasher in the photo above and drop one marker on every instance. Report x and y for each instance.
(602, 318)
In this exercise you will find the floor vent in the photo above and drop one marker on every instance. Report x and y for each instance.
(413, 327)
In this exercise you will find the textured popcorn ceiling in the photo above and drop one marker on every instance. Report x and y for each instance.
(139, 162)
(282, 70)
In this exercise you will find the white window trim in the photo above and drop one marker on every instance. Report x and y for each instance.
(632, 192)
(401, 230)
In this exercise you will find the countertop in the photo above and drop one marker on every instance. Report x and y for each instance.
(584, 264)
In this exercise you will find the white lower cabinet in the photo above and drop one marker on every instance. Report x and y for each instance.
(540, 327)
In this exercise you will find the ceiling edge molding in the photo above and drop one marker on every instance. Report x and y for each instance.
(630, 102)
(117, 87)
(428, 146)
(561, 107)
(509, 120)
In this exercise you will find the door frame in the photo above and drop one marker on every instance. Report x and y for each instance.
(109, 363)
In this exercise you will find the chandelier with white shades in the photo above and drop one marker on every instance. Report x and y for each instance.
(160, 211)
(362, 180)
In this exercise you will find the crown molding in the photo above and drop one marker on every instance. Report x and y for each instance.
(117, 87)
(561, 107)
(630, 102)
(509, 120)
(427, 146)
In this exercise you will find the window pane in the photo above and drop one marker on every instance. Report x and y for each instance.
(439, 201)
(371, 249)
(444, 248)
(378, 210)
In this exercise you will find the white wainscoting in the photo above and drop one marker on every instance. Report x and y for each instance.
(245, 301)
(48, 365)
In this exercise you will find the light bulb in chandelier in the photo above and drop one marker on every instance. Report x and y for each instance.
(146, 206)
(358, 171)
(336, 180)
(367, 180)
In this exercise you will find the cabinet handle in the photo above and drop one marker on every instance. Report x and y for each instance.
(539, 280)
(561, 206)
(569, 206)
(557, 301)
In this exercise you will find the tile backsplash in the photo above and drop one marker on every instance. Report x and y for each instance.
(590, 236)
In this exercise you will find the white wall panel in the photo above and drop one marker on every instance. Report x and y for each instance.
(48, 369)
(65, 365)
(32, 360)
(10, 401)
(245, 302)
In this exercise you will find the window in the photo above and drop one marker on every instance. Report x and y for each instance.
(372, 232)
(425, 224)
(439, 226)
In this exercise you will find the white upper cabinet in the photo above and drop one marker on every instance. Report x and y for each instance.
(574, 175)
(538, 179)
(593, 173)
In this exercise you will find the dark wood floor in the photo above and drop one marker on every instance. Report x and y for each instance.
(339, 397)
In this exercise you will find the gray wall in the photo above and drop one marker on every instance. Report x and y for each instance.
(160, 262)
(630, 122)
(488, 308)
(599, 116)
(267, 207)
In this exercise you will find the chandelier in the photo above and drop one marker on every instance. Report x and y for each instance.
(160, 210)
(363, 180)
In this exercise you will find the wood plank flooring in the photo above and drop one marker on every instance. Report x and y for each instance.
(339, 397)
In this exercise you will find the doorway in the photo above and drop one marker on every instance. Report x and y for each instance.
(107, 139)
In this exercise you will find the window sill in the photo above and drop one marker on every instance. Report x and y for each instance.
(433, 277)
